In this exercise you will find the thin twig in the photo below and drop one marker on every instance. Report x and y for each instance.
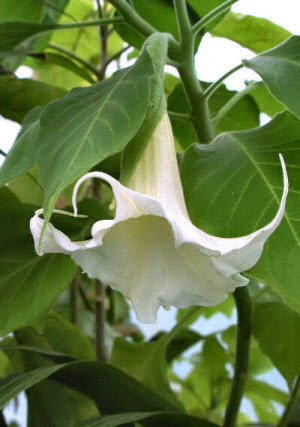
(214, 86)
(73, 300)
(179, 116)
(284, 420)
(212, 15)
(244, 326)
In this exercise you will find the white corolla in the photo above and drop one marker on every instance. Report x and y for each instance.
(150, 251)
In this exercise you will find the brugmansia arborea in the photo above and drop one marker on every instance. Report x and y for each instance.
(150, 251)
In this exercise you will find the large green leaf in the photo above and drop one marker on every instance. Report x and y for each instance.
(19, 96)
(29, 284)
(112, 390)
(244, 115)
(265, 101)
(158, 419)
(234, 186)
(90, 125)
(51, 404)
(277, 330)
(257, 34)
(280, 70)
(146, 362)
(11, 386)
(48, 402)
(22, 156)
(13, 34)
(13, 10)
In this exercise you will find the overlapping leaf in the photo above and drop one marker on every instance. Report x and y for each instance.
(19, 96)
(234, 186)
(257, 34)
(29, 284)
(280, 70)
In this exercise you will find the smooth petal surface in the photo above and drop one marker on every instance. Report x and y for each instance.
(151, 252)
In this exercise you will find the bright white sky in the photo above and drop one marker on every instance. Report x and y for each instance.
(214, 58)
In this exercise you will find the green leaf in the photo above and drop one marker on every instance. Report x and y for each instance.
(280, 70)
(13, 34)
(48, 402)
(112, 390)
(203, 8)
(11, 386)
(51, 404)
(205, 390)
(257, 34)
(27, 188)
(22, 156)
(90, 125)
(66, 63)
(184, 339)
(265, 101)
(58, 335)
(19, 96)
(146, 363)
(29, 284)
(163, 419)
(13, 10)
(243, 115)
(249, 189)
(277, 330)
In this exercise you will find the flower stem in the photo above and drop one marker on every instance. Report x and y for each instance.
(100, 312)
(186, 68)
(73, 301)
(214, 86)
(100, 316)
(283, 422)
(212, 15)
(244, 326)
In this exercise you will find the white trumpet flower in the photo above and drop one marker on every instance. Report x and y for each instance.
(150, 251)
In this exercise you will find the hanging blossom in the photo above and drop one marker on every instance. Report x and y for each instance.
(151, 252)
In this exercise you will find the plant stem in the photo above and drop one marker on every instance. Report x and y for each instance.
(231, 103)
(91, 23)
(2, 153)
(244, 326)
(283, 422)
(73, 301)
(100, 312)
(138, 23)
(77, 58)
(100, 316)
(103, 44)
(186, 68)
(179, 116)
(212, 15)
(214, 86)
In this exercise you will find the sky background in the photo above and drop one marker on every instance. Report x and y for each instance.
(214, 58)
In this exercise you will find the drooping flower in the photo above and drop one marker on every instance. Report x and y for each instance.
(151, 252)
